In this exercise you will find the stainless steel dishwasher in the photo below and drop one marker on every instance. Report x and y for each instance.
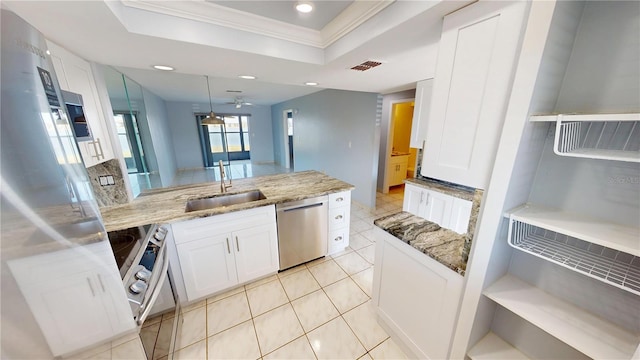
(302, 230)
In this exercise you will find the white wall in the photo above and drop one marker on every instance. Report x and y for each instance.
(324, 125)
(384, 129)
(186, 141)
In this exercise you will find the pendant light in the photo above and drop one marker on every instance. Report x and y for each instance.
(212, 118)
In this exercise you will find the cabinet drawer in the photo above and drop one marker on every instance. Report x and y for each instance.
(339, 217)
(196, 229)
(338, 240)
(339, 199)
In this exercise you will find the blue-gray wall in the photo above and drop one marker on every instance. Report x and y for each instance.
(186, 141)
(324, 124)
(161, 137)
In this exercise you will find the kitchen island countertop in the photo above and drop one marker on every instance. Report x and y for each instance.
(167, 205)
(443, 245)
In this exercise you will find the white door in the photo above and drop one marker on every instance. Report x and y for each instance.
(70, 312)
(438, 208)
(471, 89)
(421, 113)
(256, 251)
(207, 265)
(460, 214)
(413, 198)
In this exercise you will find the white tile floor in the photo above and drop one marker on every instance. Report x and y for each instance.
(318, 310)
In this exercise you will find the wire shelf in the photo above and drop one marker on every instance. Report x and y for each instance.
(611, 266)
(609, 140)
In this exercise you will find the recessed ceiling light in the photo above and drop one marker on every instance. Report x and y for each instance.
(304, 7)
(311, 83)
(248, 77)
(163, 67)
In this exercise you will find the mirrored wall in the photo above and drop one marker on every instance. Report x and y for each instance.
(132, 126)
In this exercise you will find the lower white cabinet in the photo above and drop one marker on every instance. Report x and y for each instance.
(339, 221)
(397, 169)
(76, 296)
(416, 297)
(445, 210)
(222, 251)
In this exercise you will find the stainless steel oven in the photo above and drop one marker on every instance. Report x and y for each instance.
(141, 255)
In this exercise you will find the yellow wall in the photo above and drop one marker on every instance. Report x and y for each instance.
(402, 118)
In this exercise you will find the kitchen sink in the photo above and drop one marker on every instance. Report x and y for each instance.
(224, 200)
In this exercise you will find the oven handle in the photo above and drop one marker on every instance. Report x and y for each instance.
(146, 306)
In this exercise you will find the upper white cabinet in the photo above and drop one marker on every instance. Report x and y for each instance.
(476, 59)
(445, 210)
(219, 252)
(75, 75)
(421, 113)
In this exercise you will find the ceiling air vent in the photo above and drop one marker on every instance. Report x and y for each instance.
(369, 64)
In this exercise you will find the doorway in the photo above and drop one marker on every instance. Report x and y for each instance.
(288, 138)
(130, 142)
(401, 158)
(226, 142)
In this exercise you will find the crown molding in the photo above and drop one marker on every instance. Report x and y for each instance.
(207, 12)
(352, 17)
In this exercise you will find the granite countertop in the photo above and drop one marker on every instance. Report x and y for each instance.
(455, 190)
(443, 245)
(168, 204)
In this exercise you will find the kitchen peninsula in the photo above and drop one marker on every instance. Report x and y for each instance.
(167, 205)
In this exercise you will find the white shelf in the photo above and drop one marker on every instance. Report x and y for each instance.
(585, 117)
(587, 333)
(617, 155)
(614, 236)
(492, 347)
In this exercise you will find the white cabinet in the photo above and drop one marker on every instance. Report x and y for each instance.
(397, 169)
(75, 295)
(221, 251)
(445, 210)
(476, 59)
(339, 221)
(421, 108)
(75, 75)
(419, 310)
(208, 265)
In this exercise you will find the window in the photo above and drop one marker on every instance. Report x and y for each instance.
(230, 142)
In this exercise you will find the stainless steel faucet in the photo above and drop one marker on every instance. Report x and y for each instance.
(223, 185)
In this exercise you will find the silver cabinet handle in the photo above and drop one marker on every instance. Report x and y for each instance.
(237, 244)
(338, 217)
(427, 203)
(228, 247)
(339, 199)
(91, 287)
(421, 196)
(101, 284)
(339, 238)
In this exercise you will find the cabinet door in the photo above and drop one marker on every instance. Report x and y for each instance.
(460, 214)
(256, 251)
(207, 265)
(421, 113)
(471, 89)
(438, 208)
(70, 312)
(413, 198)
(75, 75)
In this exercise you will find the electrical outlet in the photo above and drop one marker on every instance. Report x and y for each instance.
(110, 180)
(103, 180)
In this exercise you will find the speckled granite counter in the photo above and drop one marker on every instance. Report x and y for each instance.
(458, 191)
(443, 245)
(168, 205)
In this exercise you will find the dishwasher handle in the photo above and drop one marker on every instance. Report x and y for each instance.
(294, 208)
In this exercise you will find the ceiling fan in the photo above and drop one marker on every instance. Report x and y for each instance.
(239, 102)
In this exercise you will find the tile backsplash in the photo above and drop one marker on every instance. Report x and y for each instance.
(107, 183)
